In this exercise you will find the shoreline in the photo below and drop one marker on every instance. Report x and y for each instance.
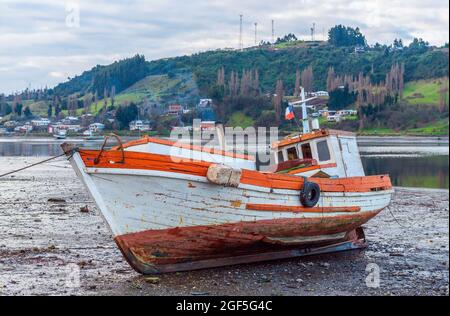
(41, 240)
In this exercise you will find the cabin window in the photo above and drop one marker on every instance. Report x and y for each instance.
(306, 151)
(292, 153)
(280, 156)
(323, 151)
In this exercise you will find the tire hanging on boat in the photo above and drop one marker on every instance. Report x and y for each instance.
(310, 194)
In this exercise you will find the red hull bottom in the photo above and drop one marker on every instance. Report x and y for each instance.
(200, 247)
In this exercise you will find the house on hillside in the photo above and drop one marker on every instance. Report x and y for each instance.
(42, 122)
(139, 125)
(320, 94)
(334, 118)
(360, 49)
(175, 109)
(205, 103)
(343, 113)
(97, 127)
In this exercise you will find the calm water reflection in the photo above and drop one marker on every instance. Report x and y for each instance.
(409, 162)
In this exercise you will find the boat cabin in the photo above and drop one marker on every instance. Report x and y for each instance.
(321, 152)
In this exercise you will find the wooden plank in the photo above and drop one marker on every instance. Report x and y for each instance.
(301, 209)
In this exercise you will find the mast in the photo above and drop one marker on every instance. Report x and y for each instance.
(305, 120)
(302, 103)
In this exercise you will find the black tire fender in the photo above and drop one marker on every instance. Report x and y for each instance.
(310, 194)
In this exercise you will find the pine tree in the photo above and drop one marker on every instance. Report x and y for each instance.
(297, 83)
(278, 99)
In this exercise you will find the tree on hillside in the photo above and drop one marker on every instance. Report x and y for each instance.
(87, 101)
(287, 38)
(331, 79)
(126, 114)
(419, 45)
(278, 100)
(57, 103)
(113, 95)
(17, 105)
(49, 111)
(95, 101)
(443, 96)
(297, 83)
(27, 112)
(121, 74)
(340, 35)
(307, 78)
(221, 77)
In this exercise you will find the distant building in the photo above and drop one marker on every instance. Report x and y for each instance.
(24, 128)
(97, 127)
(52, 128)
(70, 120)
(208, 125)
(11, 124)
(360, 49)
(347, 112)
(175, 109)
(43, 122)
(327, 113)
(334, 118)
(140, 126)
(320, 94)
(205, 103)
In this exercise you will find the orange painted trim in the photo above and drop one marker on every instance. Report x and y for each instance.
(147, 161)
(166, 142)
(313, 135)
(301, 209)
(301, 170)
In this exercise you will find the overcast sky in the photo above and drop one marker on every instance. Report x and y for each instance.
(42, 42)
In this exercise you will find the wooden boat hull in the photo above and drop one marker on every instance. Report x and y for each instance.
(166, 216)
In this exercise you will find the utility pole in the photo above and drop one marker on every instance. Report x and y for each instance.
(313, 30)
(256, 34)
(273, 31)
(241, 42)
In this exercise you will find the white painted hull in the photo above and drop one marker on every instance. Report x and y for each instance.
(165, 220)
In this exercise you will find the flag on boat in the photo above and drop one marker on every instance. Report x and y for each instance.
(290, 113)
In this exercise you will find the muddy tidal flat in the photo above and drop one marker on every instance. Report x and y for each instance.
(52, 244)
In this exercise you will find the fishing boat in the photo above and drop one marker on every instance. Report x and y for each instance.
(89, 135)
(172, 213)
(60, 134)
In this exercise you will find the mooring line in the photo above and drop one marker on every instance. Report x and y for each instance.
(30, 166)
(396, 220)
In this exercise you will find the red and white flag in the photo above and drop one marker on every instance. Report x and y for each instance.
(290, 115)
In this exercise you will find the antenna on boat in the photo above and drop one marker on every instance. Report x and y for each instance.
(302, 103)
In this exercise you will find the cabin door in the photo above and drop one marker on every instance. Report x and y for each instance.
(350, 157)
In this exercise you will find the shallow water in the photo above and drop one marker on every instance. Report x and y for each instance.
(410, 161)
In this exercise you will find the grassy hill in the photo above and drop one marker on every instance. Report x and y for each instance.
(424, 91)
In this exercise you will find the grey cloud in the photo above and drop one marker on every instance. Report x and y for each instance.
(36, 47)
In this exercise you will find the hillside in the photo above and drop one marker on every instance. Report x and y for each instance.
(185, 79)
(274, 62)
(424, 91)
(159, 90)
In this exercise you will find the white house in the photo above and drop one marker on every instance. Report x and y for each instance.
(43, 122)
(205, 103)
(320, 94)
(97, 127)
(139, 126)
(334, 118)
(347, 112)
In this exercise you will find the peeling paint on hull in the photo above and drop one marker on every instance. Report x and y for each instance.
(188, 248)
(167, 216)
